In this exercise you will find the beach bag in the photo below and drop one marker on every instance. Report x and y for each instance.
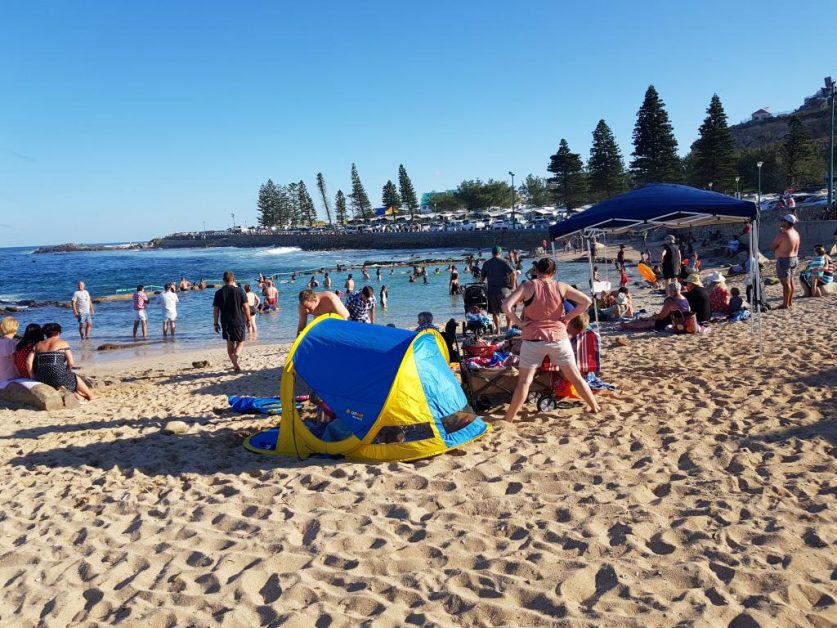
(684, 322)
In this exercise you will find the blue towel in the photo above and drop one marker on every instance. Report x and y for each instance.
(255, 405)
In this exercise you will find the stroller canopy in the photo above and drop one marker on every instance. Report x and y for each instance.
(377, 380)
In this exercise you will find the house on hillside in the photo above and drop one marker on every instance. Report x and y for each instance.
(760, 114)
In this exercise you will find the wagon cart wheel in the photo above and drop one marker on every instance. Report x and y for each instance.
(533, 397)
(547, 403)
(481, 403)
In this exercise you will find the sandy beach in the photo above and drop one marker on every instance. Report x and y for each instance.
(702, 495)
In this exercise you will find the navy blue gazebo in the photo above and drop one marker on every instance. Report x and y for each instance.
(664, 205)
(656, 205)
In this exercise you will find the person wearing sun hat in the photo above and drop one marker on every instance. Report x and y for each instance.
(786, 249)
(718, 293)
(698, 298)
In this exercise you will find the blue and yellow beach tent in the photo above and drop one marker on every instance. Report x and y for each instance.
(392, 391)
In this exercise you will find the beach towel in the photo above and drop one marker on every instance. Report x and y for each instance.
(260, 405)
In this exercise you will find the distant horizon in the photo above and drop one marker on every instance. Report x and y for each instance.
(127, 122)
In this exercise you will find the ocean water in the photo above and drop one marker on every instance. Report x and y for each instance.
(53, 276)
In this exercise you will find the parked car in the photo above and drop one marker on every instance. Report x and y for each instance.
(453, 225)
(472, 225)
(500, 225)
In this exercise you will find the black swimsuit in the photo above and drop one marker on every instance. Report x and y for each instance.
(50, 367)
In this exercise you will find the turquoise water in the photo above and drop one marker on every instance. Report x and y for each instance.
(53, 277)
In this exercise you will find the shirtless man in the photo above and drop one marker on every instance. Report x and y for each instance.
(317, 304)
(350, 284)
(786, 249)
(271, 296)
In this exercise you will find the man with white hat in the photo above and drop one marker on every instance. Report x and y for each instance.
(786, 249)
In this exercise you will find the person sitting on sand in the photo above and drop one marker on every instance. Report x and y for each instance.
(820, 272)
(622, 305)
(698, 298)
(31, 336)
(51, 362)
(316, 304)
(738, 307)
(8, 329)
(719, 296)
(425, 321)
(659, 321)
(585, 343)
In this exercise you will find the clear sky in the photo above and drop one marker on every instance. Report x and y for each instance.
(126, 120)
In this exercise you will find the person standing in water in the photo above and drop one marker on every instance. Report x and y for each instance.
(83, 310)
(384, 297)
(140, 301)
(168, 302)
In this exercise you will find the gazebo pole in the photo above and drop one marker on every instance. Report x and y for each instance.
(752, 255)
(592, 288)
(757, 270)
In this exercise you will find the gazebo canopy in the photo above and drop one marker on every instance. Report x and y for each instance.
(657, 205)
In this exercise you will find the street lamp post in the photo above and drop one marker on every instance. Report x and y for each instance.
(737, 193)
(830, 86)
(759, 164)
(233, 217)
(514, 225)
(710, 186)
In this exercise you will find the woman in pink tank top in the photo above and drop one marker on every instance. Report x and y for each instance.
(544, 326)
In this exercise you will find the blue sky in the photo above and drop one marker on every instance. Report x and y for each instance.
(123, 121)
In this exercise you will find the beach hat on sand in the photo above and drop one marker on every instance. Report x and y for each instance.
(695, 279)
(715, 278)
(790, 219)
(670, 239)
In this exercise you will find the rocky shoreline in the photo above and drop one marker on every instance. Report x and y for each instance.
(77, 248)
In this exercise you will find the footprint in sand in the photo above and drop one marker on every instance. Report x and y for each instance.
(659, 545)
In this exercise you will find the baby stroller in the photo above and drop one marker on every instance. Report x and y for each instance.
(476, 310)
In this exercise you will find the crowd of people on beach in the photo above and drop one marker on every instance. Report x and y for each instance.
(535, 305)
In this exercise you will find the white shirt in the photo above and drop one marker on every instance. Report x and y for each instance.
(82, 300)
(169, 302)
(7, 362)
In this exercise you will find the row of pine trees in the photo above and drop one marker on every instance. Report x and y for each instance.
(713, 161)
(291, 204)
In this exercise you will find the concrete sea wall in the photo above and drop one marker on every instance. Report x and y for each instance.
(526, 239)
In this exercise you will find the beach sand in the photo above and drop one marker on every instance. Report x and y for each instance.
(703, 494)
